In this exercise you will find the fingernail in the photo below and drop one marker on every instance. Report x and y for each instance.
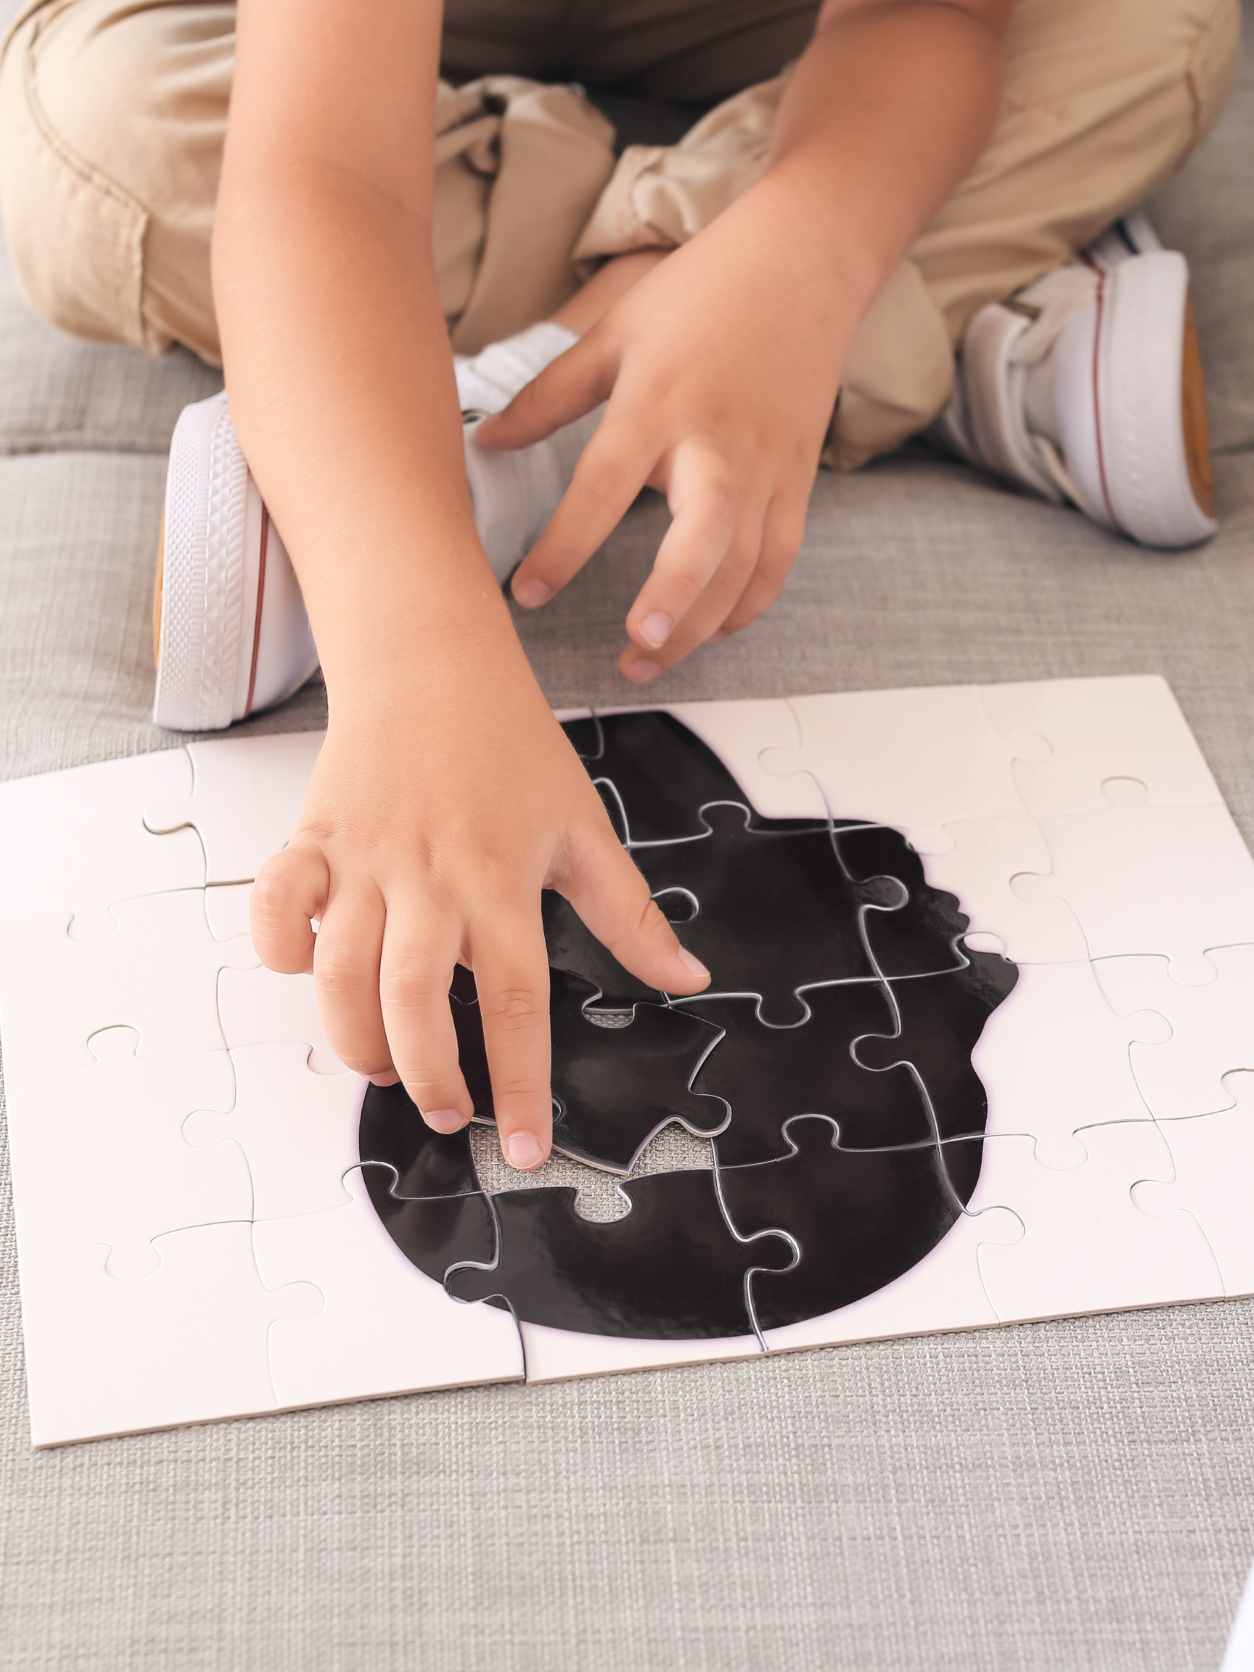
(643, 671)
(689, 962)
(444, 1120)
(388, 1079)
(522, 1151)
(716, 636)
(655, 629)
(531, 593)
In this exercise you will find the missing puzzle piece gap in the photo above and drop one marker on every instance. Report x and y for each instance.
(1098, 729)
(601, 1198)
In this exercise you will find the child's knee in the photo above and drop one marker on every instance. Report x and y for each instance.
(102, 170)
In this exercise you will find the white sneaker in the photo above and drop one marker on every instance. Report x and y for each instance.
(1086, 386)
(230, 630)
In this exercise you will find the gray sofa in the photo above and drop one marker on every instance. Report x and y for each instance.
(1064, 1496)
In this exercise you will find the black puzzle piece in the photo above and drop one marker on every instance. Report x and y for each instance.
(393, 1135)
(941, 1019)
(671, 1269)
(572, 946)
(774, 910)
(914, 935)
(768, 1075)
(860, 1217)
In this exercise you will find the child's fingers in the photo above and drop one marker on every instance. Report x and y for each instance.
(290, 889)
(706, 613)
(566, 389)
(512, 976)
(612, 898)
(715, 529)
(414, 974)
(615, 465)
(782, 535)
(346, 975)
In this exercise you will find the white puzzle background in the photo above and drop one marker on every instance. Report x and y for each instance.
(194, 1236)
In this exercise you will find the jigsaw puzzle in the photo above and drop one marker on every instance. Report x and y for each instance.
(975, 1051)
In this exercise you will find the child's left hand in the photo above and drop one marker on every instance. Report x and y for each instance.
(721, 369)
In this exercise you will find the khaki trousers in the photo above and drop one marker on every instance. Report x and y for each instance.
(113, 114)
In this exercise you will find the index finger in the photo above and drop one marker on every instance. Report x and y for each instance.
(511, 968)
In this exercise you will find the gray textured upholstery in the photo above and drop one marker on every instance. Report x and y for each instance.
(1064, 1496)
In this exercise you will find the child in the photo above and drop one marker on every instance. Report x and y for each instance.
(921, 178)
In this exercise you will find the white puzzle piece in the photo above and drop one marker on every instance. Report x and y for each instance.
(157, 972)
(943, 1292)
(227, 908)
(1214, 1163)
(297, 1129)
(385, 1326)
(555, 1355)
(246, 797)
(259, 1006)
(739, 734)
(186, 1344)
(109, 1142)
(1054, 1056)
(74, 842)
(1141, 879)
(1086, 1246)
(978, 868)
(1212, 1028)
(918, 759)
(1128, 727)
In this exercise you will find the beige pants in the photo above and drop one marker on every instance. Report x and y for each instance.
(113, 112)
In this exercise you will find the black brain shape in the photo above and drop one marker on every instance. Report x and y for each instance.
(830, 1062)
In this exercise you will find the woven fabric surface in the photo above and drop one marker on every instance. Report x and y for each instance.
(1053, 1498)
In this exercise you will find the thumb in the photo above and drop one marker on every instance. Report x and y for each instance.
(612, 898)
(568, 387)
(290, 889)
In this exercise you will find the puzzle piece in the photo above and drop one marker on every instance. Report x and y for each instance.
(939, 1019)
(671, 1268)
(186, 1344)
(71, 843)
(385, 1327)
(1212, 1028)
(1129, 727)
(111, 1138)
(1213, 1156)
(860, 1218)
(917, 759)
(1086, 1247)
(157, 972)
(766, 1075)
(1143, 879)
(977, 870)
(417, 1161)
(665, 765)
(297, 1129)
(260, 1007)
(942, 1291)
(1055, 1057)
(618, 1076)
(909, 927)
(773, 911)
(246, 797)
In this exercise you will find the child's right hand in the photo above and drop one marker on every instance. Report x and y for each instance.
(443, 801)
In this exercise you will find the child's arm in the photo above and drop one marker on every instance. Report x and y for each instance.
(446, 796)
(722, 364)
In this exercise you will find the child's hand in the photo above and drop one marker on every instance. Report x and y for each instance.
(442, 803)
(721, 368)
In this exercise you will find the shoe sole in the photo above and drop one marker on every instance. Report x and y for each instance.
(1148, 394)
(226, 594)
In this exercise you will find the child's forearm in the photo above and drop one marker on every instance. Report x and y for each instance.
(886, 111)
